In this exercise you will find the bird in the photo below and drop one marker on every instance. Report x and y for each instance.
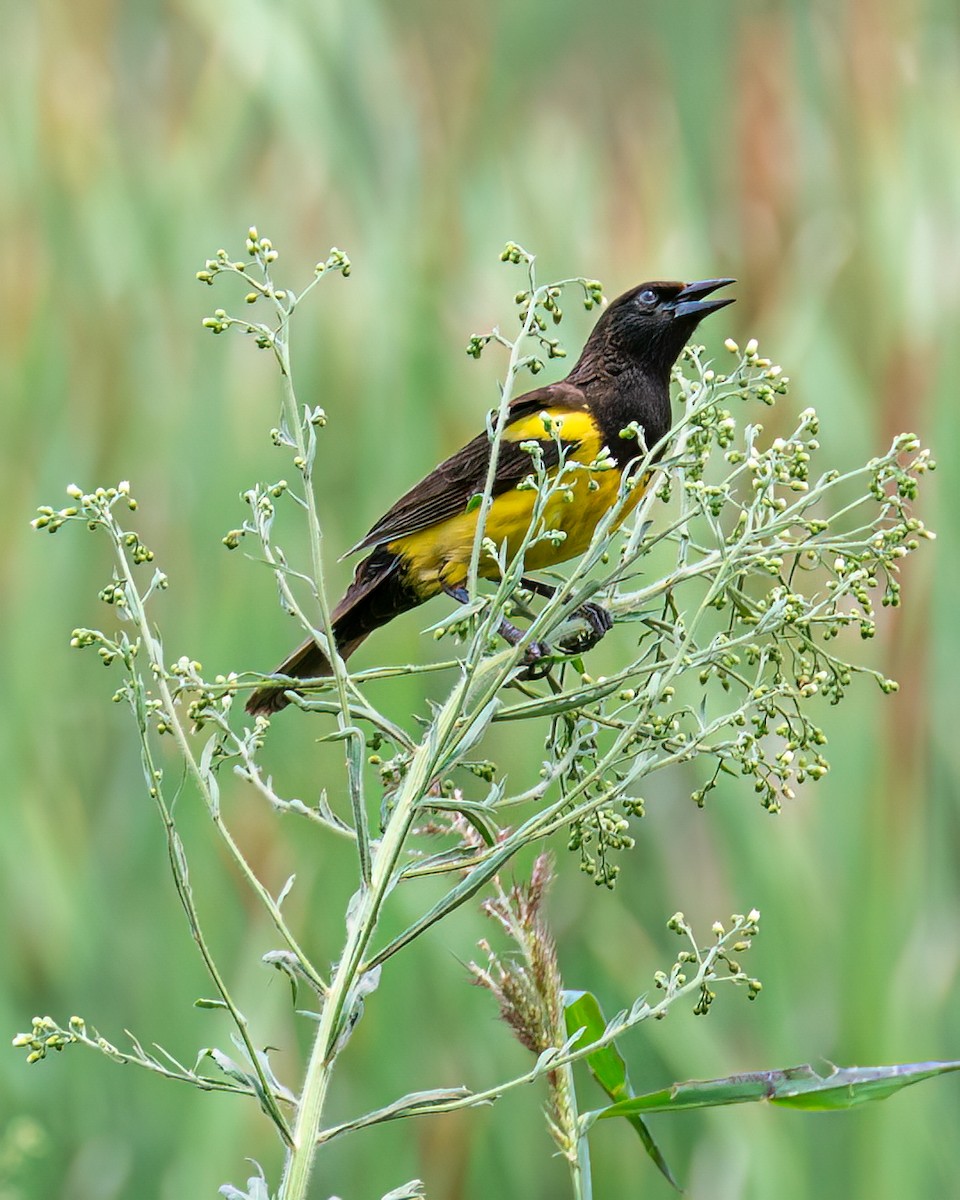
(422, 546)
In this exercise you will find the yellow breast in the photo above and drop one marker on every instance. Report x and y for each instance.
(439, 556)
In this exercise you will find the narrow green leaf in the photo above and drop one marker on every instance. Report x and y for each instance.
(413, 1104)
(285, 891)
(477, 814)
(794, 1087)
(230, 1068)
(462, 613)
(495, 795)
(407, 1191)
(457, 895)
(470, 736)
(257, 1186)
(437, 864)
(549, 706)
(845, 1087)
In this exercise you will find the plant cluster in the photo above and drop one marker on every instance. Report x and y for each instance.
(741, 569)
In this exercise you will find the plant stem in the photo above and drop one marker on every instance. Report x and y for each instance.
(349, 731)
(337, 1009)
(171, 711)
(513, 369)
(554, 1061)
(579, 1166)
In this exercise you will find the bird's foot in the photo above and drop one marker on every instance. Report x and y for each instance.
(538, 660)
(537, 656)
(600, 622)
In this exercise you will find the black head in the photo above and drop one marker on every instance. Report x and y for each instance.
(652, 322)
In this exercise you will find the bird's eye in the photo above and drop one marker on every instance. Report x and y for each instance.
(648, 296)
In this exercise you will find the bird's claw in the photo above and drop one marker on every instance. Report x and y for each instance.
(600, 622)
(537, 658)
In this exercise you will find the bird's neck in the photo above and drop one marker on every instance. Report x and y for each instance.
(619, 392)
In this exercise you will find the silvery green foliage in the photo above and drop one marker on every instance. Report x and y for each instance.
(736, 585)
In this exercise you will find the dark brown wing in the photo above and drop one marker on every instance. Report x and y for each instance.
(446, 491)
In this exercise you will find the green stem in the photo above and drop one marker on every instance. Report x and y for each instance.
(305, 455)
(182, 882)
(674, 991)
(171, 713)
(580, 1165)
(336, 1013)
(513, 369)
(486, 502)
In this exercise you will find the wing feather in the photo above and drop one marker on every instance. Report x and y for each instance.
(446, 491)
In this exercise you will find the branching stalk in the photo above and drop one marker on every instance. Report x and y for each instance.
(738, 569)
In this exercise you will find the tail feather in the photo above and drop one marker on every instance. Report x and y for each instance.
(376, 595)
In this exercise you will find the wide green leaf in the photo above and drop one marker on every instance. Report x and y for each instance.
(582, 1012)
(606, 1063)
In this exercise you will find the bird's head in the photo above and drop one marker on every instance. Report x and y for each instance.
(652, 322)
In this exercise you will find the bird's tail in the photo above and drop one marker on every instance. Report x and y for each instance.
(377, 595)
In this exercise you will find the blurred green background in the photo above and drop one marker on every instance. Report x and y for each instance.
(809, 149)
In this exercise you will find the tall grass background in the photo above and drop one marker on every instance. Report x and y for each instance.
(810, 150)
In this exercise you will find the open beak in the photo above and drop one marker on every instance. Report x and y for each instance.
(689, 302)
